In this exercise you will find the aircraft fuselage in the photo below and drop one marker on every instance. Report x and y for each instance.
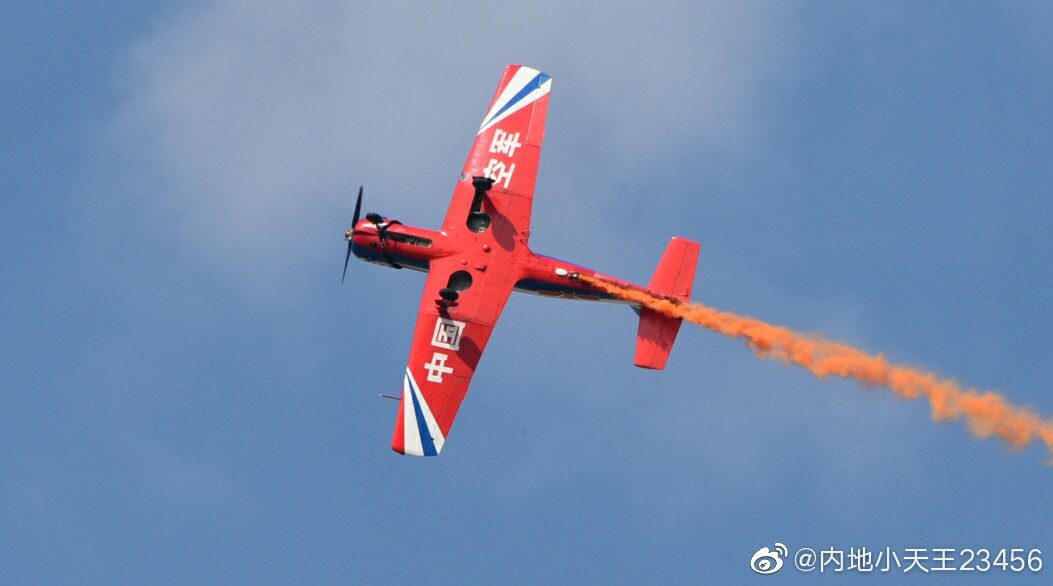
(396, 245)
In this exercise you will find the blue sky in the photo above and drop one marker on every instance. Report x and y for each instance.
(189, 396)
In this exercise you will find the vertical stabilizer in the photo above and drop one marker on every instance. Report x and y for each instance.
(674, 277)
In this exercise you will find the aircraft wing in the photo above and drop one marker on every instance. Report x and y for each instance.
(507, 149)
(447, 344)
(489, 219)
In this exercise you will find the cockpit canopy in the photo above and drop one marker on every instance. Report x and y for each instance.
(410, 239)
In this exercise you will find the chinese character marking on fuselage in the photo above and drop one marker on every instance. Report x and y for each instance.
(505, 143)
(437, 367)
(447, 334)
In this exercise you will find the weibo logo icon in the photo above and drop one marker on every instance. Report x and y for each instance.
(766, 561)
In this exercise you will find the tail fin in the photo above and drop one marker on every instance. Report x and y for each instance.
(674, 277)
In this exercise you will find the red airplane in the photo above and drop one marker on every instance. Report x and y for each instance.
(480, 255)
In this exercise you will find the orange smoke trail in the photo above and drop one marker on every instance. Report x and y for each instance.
(987, 413)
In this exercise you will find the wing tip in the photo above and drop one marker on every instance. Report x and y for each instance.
(399, 448)
(416, 431)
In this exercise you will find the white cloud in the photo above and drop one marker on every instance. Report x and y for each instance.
(254, 122)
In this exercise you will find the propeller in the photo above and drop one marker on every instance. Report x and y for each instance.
(381, 225)
(351, 232)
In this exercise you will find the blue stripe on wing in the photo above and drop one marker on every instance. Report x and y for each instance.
(532, 85)
(426, 441)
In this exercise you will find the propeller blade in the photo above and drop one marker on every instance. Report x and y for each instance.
(358, 208)
(346, 259)
(351, 233)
